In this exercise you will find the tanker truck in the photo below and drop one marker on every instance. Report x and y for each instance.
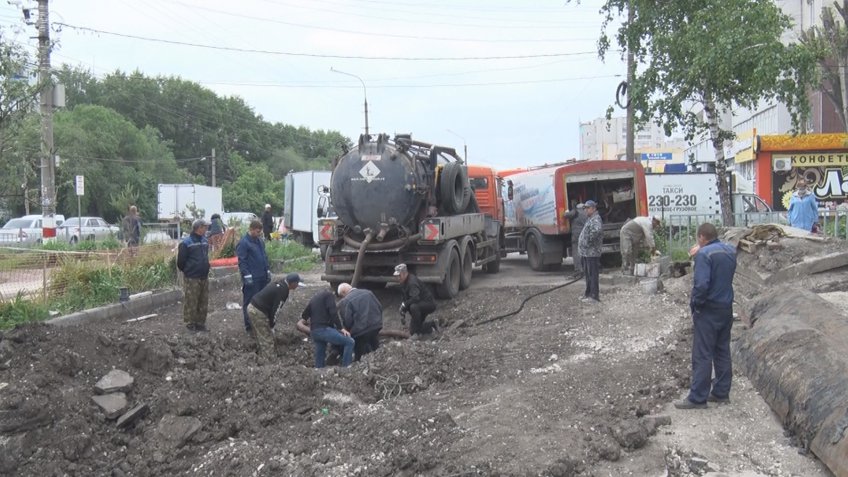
(405, 201)
(538, 196)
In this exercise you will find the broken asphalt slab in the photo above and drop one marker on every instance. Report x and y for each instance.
(111, 404)
(177, 430)
(130, 417)
(115, 381)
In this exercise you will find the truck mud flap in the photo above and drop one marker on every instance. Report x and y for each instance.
(796, 356)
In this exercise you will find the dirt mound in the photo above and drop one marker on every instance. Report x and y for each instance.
(555, 390)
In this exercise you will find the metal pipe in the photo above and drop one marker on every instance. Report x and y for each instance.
(382, 246)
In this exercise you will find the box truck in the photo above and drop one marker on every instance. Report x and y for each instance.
(695, 193)
(176, 201)
(538, 197)
(306, 201)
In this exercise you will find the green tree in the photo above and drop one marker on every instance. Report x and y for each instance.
(829, 45)
(254, 187)
(18, 97)
(113, 155)
(714, 53)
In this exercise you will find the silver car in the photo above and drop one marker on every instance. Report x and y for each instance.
(93, 228)
(25, 230)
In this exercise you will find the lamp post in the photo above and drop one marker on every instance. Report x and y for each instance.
(464, 145)
(364, 93)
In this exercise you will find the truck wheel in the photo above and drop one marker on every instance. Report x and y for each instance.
(467, 269)
(454, 190)
(534, 253)
(449, 287)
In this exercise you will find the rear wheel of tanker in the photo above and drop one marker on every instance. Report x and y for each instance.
(449, 288)
(534, 253)
(467, 269)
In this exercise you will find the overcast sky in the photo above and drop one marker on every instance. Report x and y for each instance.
(523, 110)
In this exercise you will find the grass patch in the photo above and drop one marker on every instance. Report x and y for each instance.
(83, 285)
(20, 311)
(297, 257)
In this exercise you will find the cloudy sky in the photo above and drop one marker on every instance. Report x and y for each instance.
(510, 78)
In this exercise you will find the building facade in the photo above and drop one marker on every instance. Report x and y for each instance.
(603, 139)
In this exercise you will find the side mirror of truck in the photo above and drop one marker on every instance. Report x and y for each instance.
(319, 212)
(509, 191)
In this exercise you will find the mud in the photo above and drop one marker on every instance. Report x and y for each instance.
(563, 388)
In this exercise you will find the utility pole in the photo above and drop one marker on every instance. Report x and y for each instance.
(213, 167)
(464, 145)
(364, 93)
(631, 74)
(48, 165)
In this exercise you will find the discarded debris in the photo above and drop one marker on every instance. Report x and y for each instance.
(111, 404)
(142, 318)
(133, 415)
(233, 306)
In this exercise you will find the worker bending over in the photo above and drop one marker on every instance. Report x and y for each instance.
(362, 317)
(635, 235)
(417, 300)
(262, 311)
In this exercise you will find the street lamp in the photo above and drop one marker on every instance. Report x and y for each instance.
(364, 94)
(464, 145)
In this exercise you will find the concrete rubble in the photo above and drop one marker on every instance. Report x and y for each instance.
(111, 404)
(130, 417)
(115, 381)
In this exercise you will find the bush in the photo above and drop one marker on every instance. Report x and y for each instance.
(21, 310)
(297, 257)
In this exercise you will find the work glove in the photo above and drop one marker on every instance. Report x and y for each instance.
(248, 280)
(268, 272)
(402, 308)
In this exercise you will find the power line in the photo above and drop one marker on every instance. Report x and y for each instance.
(319, 55)
(442, 85)
(384, 35)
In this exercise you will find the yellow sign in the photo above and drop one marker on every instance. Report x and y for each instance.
(815, 159)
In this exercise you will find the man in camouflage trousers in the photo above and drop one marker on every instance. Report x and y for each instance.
(193, 261)
(262, 312)
(590, 244)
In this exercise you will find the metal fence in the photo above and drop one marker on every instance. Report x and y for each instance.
(680, 231)
(73, 277)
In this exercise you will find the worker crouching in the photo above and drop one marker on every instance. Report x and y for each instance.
(362, 316)
(262, 310)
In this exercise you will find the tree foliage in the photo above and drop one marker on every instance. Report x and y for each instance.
(712, 53)
(829, 45)
(127, 132)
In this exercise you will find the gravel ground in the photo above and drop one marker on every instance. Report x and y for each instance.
(561, 389)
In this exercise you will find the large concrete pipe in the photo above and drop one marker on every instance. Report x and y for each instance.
(796, 355)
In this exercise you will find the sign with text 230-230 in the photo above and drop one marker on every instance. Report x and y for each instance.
(826, 174)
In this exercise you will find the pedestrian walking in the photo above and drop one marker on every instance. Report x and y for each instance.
(193, 261)
(803, 207)
(262, 312)
(417, 301)
(635, 235)
(362, 316)
(253, 266)
(215, 235)
(131, 228)
(711, 302)
(590, 244)
(267, 222)
(577, 218)
(326, 328)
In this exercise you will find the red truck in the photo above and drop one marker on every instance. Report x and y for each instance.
(537, 197)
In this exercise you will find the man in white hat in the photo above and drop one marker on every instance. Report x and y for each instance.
(635, 235)
(267, 222)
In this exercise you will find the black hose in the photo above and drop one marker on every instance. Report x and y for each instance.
(500, 317)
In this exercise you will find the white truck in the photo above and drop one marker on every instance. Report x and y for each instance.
(176, 201)
(307, 200)
(694, 193)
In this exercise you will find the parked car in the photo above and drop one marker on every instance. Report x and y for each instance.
(93, 228)
(237, 219)
(25, 230)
